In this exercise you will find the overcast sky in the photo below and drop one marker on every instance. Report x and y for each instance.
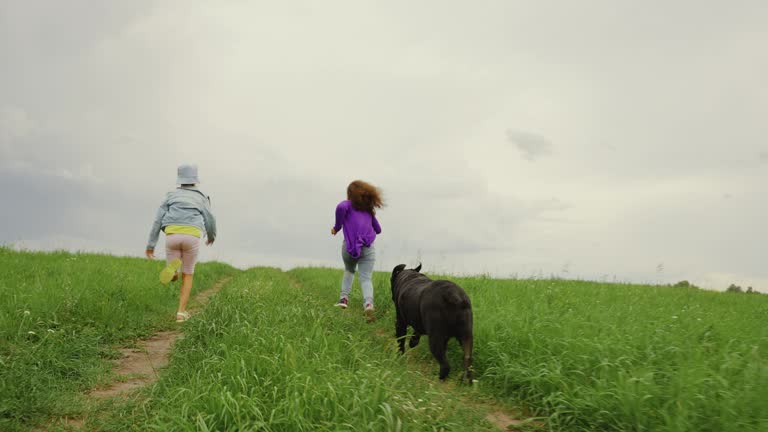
(595, 139)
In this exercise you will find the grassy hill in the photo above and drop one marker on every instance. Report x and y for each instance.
(62, 315)
(270, 353)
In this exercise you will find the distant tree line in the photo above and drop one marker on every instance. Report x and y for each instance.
(737, 289)
(733, 288)
(685, 284)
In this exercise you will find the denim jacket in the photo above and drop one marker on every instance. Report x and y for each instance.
(185, 206)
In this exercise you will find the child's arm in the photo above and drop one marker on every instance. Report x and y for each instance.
(210, 222)
(154, 232)
(376, 226)
(341, 213)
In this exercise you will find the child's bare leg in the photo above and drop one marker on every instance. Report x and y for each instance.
(186, 289)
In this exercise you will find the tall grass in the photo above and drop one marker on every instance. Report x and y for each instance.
(608, 357)
(625, 358)
(61, 315)
(268, 354)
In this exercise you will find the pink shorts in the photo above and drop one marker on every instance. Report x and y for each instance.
(182, 246)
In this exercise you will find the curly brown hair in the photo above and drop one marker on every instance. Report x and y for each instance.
(364, 196)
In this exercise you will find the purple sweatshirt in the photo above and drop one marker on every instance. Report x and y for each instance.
(360, 227)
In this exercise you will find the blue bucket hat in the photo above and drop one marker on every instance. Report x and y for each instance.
(187, 174)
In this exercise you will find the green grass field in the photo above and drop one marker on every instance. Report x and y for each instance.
(270, 353)
(609, 357)
(62, 315)
(625, 358)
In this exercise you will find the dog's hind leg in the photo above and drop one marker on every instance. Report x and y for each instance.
(414, 340)
(437, 345)
(466, 346)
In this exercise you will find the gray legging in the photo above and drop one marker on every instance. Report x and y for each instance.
(365, 264)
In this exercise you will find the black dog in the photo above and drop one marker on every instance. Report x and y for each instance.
(439, 309)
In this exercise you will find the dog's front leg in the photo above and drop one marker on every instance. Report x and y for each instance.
(414, 340)
(401, 328)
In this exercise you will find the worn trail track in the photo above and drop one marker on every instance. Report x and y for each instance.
(505, 418)
(140, 365)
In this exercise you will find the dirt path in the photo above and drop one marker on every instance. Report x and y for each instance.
(503, 417)
(140, 366)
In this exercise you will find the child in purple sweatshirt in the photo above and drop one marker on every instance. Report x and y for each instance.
(356, 216)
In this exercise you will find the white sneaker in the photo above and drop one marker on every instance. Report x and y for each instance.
(369, 312)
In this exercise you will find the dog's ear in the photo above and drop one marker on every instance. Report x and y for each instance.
(418, 269)
(398, 268)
